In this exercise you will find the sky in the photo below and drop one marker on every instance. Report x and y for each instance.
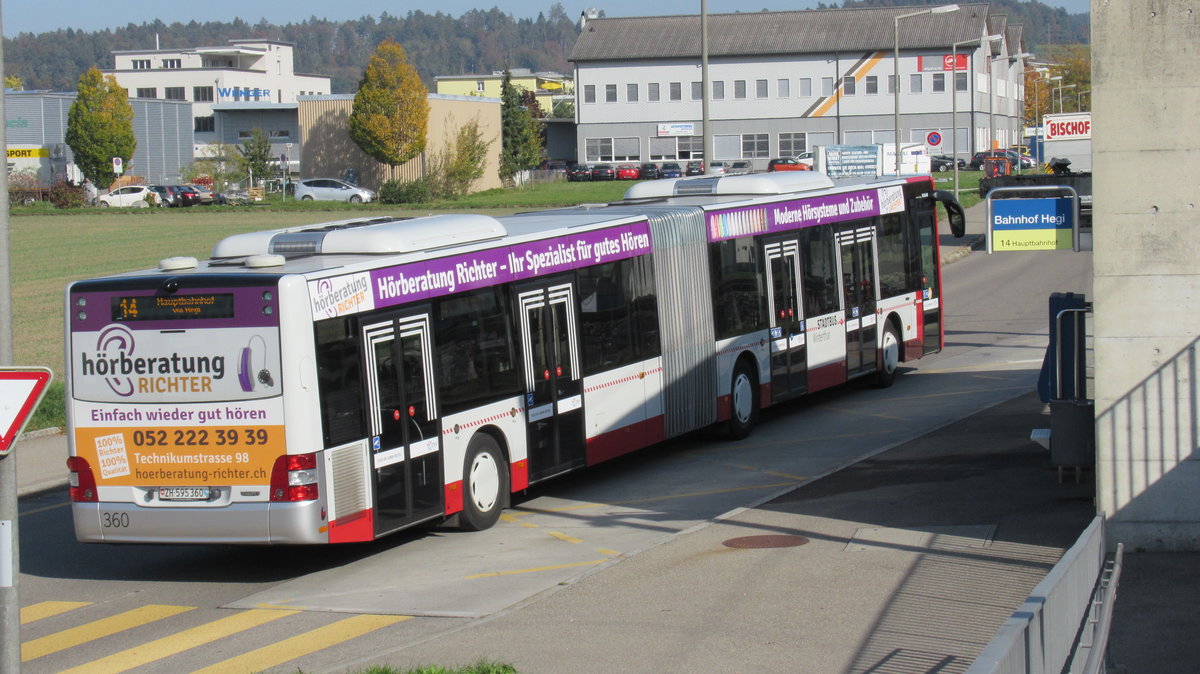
(39, 16)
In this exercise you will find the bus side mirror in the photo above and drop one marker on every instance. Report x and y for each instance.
(958, 218)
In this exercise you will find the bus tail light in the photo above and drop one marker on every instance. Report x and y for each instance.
(81, 481)
(294, 478)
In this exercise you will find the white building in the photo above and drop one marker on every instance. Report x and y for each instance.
(784, 82)
(245, 70)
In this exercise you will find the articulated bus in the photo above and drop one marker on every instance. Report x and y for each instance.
(335, 383)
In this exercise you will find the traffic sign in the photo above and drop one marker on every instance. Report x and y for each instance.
(934, 139)
(21, 389)
(118, 165)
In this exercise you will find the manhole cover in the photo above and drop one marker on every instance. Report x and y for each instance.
(766, 541)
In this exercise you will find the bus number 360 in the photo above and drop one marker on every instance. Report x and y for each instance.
(114, 520)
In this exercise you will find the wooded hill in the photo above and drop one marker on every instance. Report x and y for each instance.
(478, 42)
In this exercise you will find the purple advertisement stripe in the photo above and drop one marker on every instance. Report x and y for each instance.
(794, 214)
(458, 273)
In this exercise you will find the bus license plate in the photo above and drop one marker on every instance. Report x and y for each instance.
(183, 493)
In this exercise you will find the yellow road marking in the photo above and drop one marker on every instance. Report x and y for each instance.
(774, 473)
(181, 641)
(606, 551)
(563, 537)
(48, 609)
(60, 641)
(535, 569)
(668, 497)
(45, 508)
(302, 644)
(505, 517)
(865, 414)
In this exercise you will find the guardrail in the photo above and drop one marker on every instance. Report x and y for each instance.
(1063, 625)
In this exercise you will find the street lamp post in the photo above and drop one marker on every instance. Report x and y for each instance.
(992, 95)
(1037, 114)
(987, 39)
(941, 9)
(1059, 89)
(1079, 99)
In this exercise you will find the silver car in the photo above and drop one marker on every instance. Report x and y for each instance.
(329, 189)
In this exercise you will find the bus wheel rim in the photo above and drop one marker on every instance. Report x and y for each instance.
(741, 398)
(891, 351)
(485, 482)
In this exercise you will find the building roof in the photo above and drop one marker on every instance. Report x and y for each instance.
(767, 33)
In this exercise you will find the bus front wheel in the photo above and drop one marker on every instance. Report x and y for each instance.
(889, 357)
(485, 478)
(743, 401)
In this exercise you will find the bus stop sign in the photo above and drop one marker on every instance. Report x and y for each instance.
(21, 389)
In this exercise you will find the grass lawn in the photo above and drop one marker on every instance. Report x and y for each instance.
(49, 248)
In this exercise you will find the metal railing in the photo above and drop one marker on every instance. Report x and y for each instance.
(1063, 624)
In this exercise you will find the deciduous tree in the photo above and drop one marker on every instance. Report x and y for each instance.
(521, 132)
(100, 127)
(391, 108)
(255, 154)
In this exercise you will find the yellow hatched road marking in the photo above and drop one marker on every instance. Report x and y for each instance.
(303, 644)
(47, 609)
(564, 537)
(182, 641)
(97, 629)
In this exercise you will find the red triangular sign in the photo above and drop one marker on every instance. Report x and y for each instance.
(21, 389)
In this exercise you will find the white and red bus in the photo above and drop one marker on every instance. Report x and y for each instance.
(334, 383)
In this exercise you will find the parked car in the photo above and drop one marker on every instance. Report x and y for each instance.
(168, 196)
(787, 164)
(977, 160)
(555, 165)
(628, 172)
(206, 195)
(603, 172)
(671, 170)
(649, 172)
(739, 168)
(962, 163)
(188, 196)
(579, 173)
(805, 158)
(329, 189)
(940, 164)
(137, 196)
(695, 168)
(716, 168)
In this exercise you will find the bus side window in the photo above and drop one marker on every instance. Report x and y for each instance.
(339, 381)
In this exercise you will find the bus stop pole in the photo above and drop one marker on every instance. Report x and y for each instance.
(10, 605)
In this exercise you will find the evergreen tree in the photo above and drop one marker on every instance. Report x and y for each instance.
(520, 132)
(391, 108)
(100, 127)
(256, 155)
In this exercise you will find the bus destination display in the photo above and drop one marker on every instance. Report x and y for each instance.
(170, 307)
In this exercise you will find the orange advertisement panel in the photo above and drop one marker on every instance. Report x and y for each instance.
(212, 444)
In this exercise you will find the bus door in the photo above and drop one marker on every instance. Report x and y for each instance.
(405, 449)
(553, 385)
(788, 359)
(858, 265)
(921, 208)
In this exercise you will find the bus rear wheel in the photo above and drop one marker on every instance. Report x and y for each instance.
(743, 402)
(889, 357)
(485, 479)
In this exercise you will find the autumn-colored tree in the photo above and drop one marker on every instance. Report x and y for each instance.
(100, 127)
(14, 82)
(391, 108)
(1043, 96)
(255, 154)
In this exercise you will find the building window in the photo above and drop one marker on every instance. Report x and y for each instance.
(718, 90)
(755, 145)
(960, 81)
(172, 64)
(662, 148)
(690, 147)
(848, 86)
(792, 144)
(479, 85)
(148, 92)
(915, 83)
(697, 90)
(805, 87)
(205, 124)
(174, 94)
(202, 94)
(783, 88)
(760, 88)
(625, 149)
(589, 93)
(282, 134)
(676, 91)
(872, 84)
(610, 93)
(652, 91)
(826, 86)
(141, 64)
(891, 85)
(245, 134)
(631, 93)
(598, 149)
(939, 83)
(739, 89)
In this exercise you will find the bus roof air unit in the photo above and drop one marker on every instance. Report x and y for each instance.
(757, 183)
(379, 236)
